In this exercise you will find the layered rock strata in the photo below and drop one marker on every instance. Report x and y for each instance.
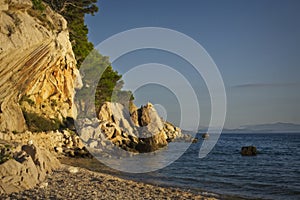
(37, 66)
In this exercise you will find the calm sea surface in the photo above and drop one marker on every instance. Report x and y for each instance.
(273, 174)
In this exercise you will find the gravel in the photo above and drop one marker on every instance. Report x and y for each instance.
(77, 183)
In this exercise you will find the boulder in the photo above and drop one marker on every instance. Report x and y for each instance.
(44, 161)
(86, 133)
(17, 176)
(26, 169)
(249, 151)
(152, 143)
(93, 144)
(195, 140)
(205, 136)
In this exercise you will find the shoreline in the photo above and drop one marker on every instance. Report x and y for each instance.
(71, 182)
(96, 166)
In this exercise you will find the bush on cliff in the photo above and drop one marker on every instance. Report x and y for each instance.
(74, 12)
(38, 123)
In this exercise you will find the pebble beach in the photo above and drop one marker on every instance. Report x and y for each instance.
(78, 183)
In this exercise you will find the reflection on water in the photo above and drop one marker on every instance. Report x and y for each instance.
(144, 162)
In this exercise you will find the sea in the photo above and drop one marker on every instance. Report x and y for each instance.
(274, 173)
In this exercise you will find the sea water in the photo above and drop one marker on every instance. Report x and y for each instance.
(273, 174)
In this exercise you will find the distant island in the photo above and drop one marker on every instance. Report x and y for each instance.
(279, 127)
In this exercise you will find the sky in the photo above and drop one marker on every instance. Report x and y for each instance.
(255, 45)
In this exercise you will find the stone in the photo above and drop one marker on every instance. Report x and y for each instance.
(44, 185)
(58, 149)
(17, 176)
(28, 168)
(249, 151)
(195, 140)
(153, 143)
(118, 140)
(86, 133)
(205, 136)
(105, 112)
(44, 160)
(73, 170)
(169, 127)
(145, 116)
(93, 144)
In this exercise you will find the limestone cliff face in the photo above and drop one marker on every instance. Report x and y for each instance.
(38, 71)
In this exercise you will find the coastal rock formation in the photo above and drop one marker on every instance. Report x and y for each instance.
(59, 143)
(37, 66)
(134, 129)
(249, 151)
(28, 166)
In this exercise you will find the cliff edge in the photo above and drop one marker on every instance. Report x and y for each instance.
(37, 67)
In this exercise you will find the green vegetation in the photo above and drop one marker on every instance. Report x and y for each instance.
(5, 153)
(38, 5)
(38, 11)
(38, 123)
(53, 103)
(26, 98)
(109, 88)
(11, 30)
(96, 64)
(74, 12)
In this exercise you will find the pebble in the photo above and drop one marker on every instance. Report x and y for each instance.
(73, 170)
(63, 184)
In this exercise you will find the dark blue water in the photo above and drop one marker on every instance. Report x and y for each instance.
(273, 174)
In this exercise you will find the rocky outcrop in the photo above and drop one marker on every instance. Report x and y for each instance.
(28, 167)
(134, 129)
(37, 66)
(59, 143)
(249, 151)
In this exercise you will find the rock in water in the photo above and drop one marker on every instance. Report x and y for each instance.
(249, 151)
(205, 136)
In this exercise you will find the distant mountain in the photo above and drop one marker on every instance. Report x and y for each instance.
(278, 127)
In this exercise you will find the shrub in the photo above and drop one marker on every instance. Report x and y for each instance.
(5, 153)
(38, 5)
(26, 98)
(53, 103)
(38, 123)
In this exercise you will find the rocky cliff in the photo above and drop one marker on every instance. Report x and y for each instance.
(37, 67)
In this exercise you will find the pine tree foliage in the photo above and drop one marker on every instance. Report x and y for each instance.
(110, 84)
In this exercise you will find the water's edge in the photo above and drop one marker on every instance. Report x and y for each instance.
(97, 166)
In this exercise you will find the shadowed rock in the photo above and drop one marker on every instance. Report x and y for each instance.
(249, 151)
(26, 169)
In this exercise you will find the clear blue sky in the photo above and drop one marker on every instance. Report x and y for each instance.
(255, 44)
